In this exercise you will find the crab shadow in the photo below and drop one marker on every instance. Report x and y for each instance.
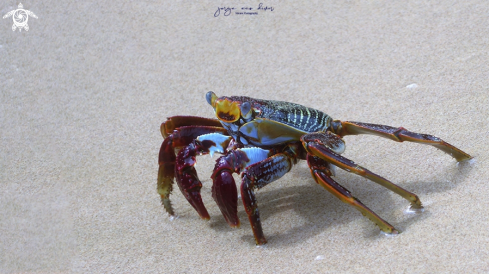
(448, 178)
(311, 203)
(319, 211)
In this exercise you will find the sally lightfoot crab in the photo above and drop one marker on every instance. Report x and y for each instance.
(262, 140)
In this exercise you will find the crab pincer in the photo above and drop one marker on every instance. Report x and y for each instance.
(187, 178)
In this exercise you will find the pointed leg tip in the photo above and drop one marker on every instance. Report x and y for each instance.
(465, 161)
(415, 209)
(168, 207)
(464, 158)
(204, 215)
(234, 224)
(232, 220)
(394, 232)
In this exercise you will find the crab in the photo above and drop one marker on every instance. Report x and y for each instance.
(262, 140)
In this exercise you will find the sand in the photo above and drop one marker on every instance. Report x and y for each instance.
(84, 91)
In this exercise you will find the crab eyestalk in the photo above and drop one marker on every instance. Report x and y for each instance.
(211, 98)
(246, 110)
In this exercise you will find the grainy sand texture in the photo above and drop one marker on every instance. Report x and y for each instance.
(84, 91)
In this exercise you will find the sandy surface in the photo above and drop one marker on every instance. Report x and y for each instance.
(84, 91)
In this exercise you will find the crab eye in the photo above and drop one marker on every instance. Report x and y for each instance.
(227, 111)
(246, 110)
(211, 98)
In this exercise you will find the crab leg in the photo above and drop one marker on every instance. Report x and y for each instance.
(175, 122)
(321, 172)
(257, 176)
(314, 147)
(182, 136)
(398, 134)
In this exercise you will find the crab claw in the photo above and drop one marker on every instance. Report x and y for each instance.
(224, 189)
(225, 194)
(187, 180)
(190, 186)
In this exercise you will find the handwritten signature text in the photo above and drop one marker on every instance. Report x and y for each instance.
(245, 10)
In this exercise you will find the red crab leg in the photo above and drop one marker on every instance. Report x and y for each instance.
(314, 147)
(166, 160)
(257, 176)
(175, 122)
(320, 171)
(397, 134)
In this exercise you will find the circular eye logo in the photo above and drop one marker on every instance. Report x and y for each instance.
(20, 17)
